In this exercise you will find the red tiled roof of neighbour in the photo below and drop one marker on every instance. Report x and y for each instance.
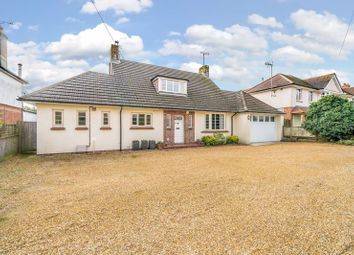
(349, 90)
(281, 80)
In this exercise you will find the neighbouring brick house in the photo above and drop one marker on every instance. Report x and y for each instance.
(11, 87)
(138, 101)
(349, 91)
(293, 95)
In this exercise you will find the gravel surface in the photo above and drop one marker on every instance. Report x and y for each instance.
(287, 198)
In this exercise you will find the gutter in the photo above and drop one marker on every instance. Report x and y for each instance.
(120, 128)
(89, 128)
(232, 123)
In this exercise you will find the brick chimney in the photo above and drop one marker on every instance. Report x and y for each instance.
(114, 56)
(204, 70)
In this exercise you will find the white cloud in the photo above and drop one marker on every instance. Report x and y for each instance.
(268, 22)
(33, 28)
(232, 38)
(176, 47)
(71, 19)
(289, 54)
(322, 33)
(15, 25)
(94, 43)
(36, 70)
(174, 33)
(122, 20)
(120, 7)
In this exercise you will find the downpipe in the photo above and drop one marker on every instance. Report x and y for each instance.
(232, 123)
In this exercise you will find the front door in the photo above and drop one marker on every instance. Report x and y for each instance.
(179, 129)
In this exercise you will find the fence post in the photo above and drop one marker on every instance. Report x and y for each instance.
(19, 126)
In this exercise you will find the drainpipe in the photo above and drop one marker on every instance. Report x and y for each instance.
(89, 128)
(232, 123)
(120, 128)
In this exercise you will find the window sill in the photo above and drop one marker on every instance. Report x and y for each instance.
(57, 128)
(143, 128)
(105, 128)
(81, 128)
(214, 131)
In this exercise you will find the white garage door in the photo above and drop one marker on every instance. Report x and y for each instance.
(263, 129)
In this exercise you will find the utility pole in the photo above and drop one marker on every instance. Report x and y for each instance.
(204, 53)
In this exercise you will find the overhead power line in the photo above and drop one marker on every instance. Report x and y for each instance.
(104, 23)
(346, 34)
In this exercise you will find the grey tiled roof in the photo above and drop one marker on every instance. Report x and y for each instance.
(320, 82)
(131, 85)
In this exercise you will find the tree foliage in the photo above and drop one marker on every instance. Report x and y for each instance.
(331, 118)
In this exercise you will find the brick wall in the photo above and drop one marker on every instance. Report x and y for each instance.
(169, 132)
(9, 114)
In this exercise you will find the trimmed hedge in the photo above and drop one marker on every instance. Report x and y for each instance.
(219, 139)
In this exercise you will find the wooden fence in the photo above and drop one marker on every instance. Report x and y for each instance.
(18, 138)
(297, 132)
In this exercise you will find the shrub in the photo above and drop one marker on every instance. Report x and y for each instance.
(331, 118)
(209, 140)
(232, 139)
(216, 139)
(346, 142)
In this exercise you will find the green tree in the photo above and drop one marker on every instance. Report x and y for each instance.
(331, 118)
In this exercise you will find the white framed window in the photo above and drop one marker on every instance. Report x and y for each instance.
(190, 121)
(255, 118)
(168, 120)
(58, 118)
(173, 86)
(106, 120)
(261, 118)
(215, 121)
(141, 120)
(266, 118)
(310, 96)
(81, 118)
(272, 119)
(298, 95)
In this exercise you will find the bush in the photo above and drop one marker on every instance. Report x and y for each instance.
(346, 142)
(331, 118)
(216, 139)
(232, 139)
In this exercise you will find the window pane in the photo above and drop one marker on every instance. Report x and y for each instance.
(266, 118)
(82, 118)
(105, 119)
(190, 121)
(141, 119)
(58, 118)
(168, 120)
(134, 120)
(169, 86)
(272, 119)
(148, 120)
(207, 121)
(221, 121)
(261, 118)
(163, 84)
(254, 118)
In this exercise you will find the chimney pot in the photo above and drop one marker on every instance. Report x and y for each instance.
(19, 70)
(204, 70)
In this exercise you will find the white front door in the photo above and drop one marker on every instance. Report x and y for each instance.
(179, 129)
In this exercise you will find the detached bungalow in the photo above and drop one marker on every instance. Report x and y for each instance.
(137, 101)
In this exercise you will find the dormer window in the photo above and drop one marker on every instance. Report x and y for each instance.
(170, 85)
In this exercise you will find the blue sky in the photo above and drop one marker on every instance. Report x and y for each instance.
(58, 39)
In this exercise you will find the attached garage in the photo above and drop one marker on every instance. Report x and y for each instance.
(263, 129)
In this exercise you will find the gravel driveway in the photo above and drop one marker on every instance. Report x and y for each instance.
(288, 198)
